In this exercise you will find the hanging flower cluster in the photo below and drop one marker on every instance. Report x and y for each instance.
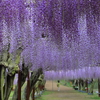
(52, 34)
(83, 73)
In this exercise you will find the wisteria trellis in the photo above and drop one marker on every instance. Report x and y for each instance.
(71, 29)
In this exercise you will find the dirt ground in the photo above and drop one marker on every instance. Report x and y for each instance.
(65, 93)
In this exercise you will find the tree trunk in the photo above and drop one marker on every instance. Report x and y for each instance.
(33, 79)
(91, 87)
(99, 87)
(33, 96)
(23, 79)
(28, 88)
(1, 82)
(86, 85)
(79, 87)
(9, 86)
(19, 85)
(83, 85)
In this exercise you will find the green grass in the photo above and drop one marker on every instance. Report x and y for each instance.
(44, 94)
(95, 96)
(66, 83)
(48, 92)
(11, 94)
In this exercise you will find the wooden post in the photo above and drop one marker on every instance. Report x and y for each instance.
(33, 94)
(19, 85)
(99, 87)
(28, 88)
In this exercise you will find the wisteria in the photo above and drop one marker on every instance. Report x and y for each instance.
(81, 73)
(58, 35)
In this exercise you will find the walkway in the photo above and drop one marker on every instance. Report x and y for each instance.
(65, 93)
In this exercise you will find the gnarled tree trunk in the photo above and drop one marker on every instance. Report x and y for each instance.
(33, 79)
(24, 73)
(1, 82)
